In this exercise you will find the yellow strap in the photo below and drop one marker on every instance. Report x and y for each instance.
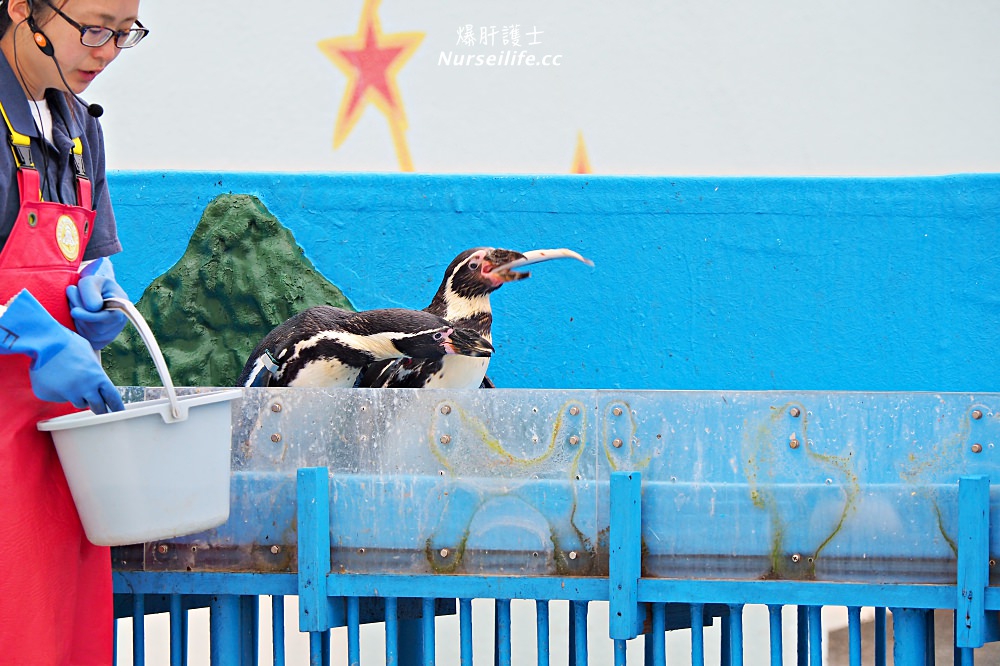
(16, 138)
(23, 142)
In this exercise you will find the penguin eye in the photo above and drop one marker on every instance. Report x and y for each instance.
(473, 265)
(439, 335)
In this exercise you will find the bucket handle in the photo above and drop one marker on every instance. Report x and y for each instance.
(134, 316)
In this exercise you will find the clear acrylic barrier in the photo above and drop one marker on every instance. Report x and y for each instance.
(746, 485)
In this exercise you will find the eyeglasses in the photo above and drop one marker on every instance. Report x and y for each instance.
(96, 35)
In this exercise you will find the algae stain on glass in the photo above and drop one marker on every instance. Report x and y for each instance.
(480, 468)
(761, 460)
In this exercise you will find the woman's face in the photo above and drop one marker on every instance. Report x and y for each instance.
(80, 64)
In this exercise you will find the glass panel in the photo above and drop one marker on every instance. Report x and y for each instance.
(751, 485)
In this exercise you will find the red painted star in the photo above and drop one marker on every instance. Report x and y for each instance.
(371, 60)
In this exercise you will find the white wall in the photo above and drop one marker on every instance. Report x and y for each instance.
(853, 87)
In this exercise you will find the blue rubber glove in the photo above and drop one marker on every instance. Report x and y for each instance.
(86, 300)
(64, 367)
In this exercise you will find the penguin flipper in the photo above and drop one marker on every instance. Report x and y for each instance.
(259, 370)
(399, 373)
(487, 383)
(375, 375)
(259, 379)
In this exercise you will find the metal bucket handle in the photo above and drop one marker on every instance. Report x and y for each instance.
(134, 316)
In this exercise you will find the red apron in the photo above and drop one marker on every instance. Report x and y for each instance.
(55, 586)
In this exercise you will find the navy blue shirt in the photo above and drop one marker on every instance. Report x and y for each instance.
(54, 162)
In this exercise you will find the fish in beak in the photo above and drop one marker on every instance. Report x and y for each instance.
(504, 272)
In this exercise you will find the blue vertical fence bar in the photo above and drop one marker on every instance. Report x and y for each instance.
(973, 560)
(725, 654)
(963, 656)
(225, 645)
(391, 632)
(774, 626)
(319, 648)
(802, 635)
(502, 642)
(278, 630)
(880, 636)
(313, 516)
(697, 635)
(542, 631)
(625, 554)
(909, 636)
(178, 625)
(620, 654)
(815, 635)
(139, 630)
(465, 631)
(929, 636)
(854, 635)
(314, 548)
(353, 632)
(427, 626)
(411, 642)
(736, 634)
(578, 633)
(656, 654)
(249, 629)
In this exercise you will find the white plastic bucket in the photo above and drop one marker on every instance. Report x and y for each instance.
(142, 474)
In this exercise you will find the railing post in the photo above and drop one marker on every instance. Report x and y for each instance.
(578, 633)
(854, 634)
(697, 634)
(880, 636)
(973, 560)
(313, 514)
(625, 554)
(225, 631)
(278, 630)
(802, 635)
(138, 629)
(411, 641)
(178, 632)
(774, 627)
(909, 636)
(249, 629)
(733, 635)
(815, 635)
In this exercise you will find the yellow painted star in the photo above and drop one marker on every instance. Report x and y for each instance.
(371, 60)
(581, 163)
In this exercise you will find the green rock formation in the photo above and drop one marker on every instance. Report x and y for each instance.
(241, 275)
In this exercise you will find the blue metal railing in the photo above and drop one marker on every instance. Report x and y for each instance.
(328, 600)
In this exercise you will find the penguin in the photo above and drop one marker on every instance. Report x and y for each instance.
(463, 299)
(324, 346)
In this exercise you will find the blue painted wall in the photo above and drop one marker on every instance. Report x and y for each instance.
(699, 283)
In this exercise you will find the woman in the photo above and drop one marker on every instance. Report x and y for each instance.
(55, 213)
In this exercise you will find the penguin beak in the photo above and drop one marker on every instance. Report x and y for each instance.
(506, 273)
(495, 263)
(464, 342)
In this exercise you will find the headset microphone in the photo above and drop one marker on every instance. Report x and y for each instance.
(45, 46)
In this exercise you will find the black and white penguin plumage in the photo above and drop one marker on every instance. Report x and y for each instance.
(463, 298)
(325, 346)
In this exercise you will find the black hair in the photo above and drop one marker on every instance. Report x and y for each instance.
(5, 20)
